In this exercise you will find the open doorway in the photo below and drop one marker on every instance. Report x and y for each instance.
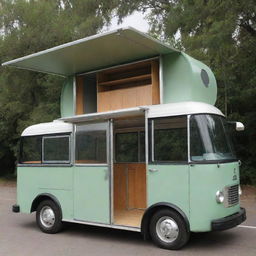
(129, 171)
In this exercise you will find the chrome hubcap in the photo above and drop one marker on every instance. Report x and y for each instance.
(167, 229)
(47, 217)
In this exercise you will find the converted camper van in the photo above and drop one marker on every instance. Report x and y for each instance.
(139, 145)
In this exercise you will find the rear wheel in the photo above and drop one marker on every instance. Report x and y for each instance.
(168, 230)
(48, 217)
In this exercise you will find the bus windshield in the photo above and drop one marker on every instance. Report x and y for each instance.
(209, 139)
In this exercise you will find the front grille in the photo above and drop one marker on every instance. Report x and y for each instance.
(231, 195)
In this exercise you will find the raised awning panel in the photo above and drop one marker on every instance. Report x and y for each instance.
(94, 52)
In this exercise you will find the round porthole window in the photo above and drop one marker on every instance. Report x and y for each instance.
(205, 78)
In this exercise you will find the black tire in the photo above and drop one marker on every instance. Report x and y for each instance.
(168, 230)
(52, 223)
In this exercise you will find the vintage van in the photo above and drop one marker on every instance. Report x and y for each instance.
(139, 145)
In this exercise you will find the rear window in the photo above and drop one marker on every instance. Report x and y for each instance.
(45, 149)
(31, 150)
(56, 149)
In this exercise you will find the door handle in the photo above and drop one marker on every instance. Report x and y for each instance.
(153, 170)
(106, 174)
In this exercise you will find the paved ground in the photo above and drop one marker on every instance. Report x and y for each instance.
(19, 236)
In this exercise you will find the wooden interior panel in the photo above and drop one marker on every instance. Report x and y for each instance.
(103, 103)
(155, 82)
(88, 162)
(129, 185)
(129, 193)
(31, 162)
(130, 218)
(137, 186)
(133, 70)
(79, 95)
(128, 86)
(119, 186)
(126, 80)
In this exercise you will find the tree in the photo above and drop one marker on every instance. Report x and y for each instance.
(26, 27)
(223, 35)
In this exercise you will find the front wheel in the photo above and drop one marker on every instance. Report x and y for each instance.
(48, 217)
(168, 230)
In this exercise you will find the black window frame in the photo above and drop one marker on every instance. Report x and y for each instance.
(138, 132)
(56, 161)
(151, 148)
(88, 129)
(20, 158)
(43, 163)
(231, 160)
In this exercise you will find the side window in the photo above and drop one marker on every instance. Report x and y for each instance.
(91, 144)
(45, 149)
(30, 150)
(56, 149)
(169, 137)
(130, 147)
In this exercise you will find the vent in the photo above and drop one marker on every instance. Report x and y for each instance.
(231, 195)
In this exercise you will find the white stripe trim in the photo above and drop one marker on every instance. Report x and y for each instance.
(243, 226)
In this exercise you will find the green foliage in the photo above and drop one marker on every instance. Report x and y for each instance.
(223, 35)
(30, 26)
(220, 33)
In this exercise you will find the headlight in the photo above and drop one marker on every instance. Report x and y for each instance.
(240, 191)
(220, 197)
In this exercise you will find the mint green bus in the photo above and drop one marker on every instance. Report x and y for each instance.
(164, 170)
(139, 144)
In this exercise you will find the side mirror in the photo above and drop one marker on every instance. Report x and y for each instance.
(239, 126)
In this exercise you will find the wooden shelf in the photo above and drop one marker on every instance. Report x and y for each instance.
(126, 80)
(129, 86)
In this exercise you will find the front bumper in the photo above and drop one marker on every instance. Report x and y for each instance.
(229, 221)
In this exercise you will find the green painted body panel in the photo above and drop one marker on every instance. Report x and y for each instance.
(182, 80)
(67, 98)
(193, 190)
(169, 184)
(57, 181)
(91, 194)
(205, 181)
(83, 192)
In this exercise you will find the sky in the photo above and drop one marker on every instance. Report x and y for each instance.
(136, 20)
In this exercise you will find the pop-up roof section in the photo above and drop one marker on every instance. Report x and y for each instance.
(182, 78)
(94, 52)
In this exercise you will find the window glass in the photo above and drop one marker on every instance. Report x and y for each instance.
(31, 148)
(130, 147)
(170, 139)
(91, 143)
(56, 149)
(142, 147)
(127, 147)
(209, 139)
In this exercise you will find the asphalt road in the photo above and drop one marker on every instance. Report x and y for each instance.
(19, 236)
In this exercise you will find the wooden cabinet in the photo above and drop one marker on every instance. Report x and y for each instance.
(117, 88)
(128, 86)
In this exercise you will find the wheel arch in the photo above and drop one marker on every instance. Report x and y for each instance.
(153, 209)
(42, 197)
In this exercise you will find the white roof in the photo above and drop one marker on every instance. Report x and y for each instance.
(48, 128)
(162, 110)
(182, 108)
(64, 125)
